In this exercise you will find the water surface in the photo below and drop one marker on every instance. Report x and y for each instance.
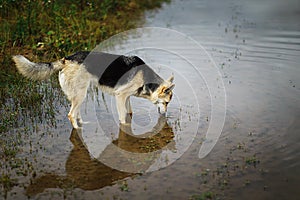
(255, 46)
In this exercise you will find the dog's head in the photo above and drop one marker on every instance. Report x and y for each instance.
(160, 94)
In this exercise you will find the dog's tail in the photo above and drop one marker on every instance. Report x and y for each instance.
(36, 71)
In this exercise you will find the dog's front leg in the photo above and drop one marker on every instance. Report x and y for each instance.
(79, 119)
(121, 107)
(128, 106)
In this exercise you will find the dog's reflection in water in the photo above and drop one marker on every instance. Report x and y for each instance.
(90, 174)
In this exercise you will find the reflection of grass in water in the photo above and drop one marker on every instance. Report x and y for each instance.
(27, 102)
(46, 31)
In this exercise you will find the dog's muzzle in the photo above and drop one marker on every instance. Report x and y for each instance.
(162, 108)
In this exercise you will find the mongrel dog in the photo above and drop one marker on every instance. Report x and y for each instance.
(118, 75)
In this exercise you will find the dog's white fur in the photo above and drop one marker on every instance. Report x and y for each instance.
(74, 79)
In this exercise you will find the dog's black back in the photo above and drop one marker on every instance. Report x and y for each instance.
(110, 68)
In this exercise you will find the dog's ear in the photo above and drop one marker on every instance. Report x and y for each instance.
(169, 89)
(63, 61)
(171, 79)
(146, 90)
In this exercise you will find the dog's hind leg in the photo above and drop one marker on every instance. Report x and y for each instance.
(76, 101)
(74, 81)
(74, 113)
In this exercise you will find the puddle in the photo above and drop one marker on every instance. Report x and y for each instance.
(255, 49)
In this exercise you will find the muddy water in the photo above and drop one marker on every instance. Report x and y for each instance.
(246, 62)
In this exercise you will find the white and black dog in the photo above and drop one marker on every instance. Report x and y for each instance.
(118, 75)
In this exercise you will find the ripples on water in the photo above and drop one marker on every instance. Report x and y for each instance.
(256, 46)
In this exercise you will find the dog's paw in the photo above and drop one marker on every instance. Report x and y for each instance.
(85, 122)
(79, 121)
(75, 126)
(127, 119)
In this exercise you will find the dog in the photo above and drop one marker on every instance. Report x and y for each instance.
(119, 75)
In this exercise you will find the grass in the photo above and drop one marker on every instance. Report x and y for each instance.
(7, 183)
(203, 196)
(252, 160)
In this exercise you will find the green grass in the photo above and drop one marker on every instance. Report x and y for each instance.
(203, 196)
